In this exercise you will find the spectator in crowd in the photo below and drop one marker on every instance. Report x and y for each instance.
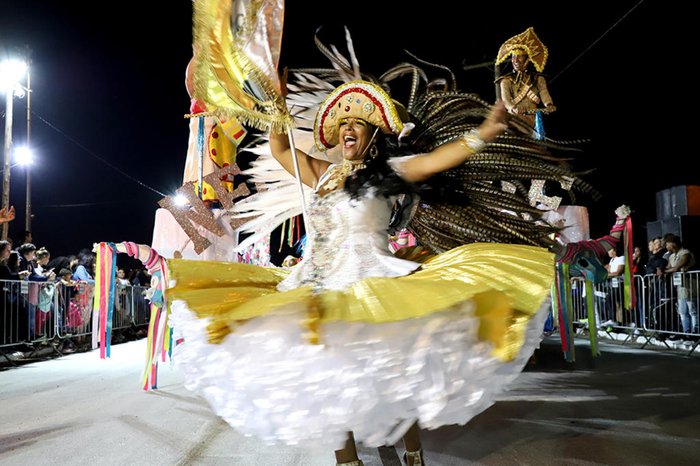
(66, 281)
(637, 261)
(680, 261)
(63, 262)
(656, 263)
(665, 239)
(656, 267)
(615, 268)
(65, 276)
(13, 320)
(13, 264)
(124, 297)
(25, 238)
(70, 311)
(85, 267)
(42, 257)
(141, 278)
(121, 277)
(6, 272)
(27, 253)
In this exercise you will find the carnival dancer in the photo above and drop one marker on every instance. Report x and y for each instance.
(353, 338)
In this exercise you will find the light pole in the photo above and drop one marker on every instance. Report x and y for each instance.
(8, 157)
(28, 207)
(11, 72)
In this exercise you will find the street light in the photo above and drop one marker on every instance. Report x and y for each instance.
(11, 71)
(24, 156)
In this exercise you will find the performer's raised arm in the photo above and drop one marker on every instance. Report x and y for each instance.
(310, 168)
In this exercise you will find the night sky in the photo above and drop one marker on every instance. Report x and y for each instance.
(109, 98)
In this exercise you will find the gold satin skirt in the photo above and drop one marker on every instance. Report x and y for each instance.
(507, 284)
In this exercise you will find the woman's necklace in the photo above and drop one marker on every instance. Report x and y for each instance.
(522, 79)
(340, 172)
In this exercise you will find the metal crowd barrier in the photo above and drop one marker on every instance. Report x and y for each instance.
(41, 314)
(663, 304)
(53, 315)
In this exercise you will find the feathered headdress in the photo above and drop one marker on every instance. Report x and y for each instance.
(485, 199)
(356, 99)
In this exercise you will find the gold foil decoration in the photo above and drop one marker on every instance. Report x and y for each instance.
(237, 45)
(507, 283)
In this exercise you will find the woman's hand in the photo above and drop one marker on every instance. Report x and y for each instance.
(7, 215)
(494, 124)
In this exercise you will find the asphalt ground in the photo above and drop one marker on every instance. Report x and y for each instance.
(628, 406)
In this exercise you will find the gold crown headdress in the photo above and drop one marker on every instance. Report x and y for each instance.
(528, 43)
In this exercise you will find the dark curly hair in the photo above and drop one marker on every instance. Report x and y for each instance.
(377, 173)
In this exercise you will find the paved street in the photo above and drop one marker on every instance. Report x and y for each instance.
(631, 406)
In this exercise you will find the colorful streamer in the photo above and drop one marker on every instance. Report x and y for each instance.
(592, 328)
(563, 298)
(103, 301)
(159, 344)
(628, 286)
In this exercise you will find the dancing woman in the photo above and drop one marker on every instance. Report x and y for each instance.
(353, 338)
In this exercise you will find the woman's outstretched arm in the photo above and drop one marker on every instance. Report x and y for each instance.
(457, 152)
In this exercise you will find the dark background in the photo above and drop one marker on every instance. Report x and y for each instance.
(109, 98)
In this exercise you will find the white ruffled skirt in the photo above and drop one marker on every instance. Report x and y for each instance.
(376, 380)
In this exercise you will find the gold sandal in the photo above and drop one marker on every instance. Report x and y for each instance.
(351, 463)
(415, 456)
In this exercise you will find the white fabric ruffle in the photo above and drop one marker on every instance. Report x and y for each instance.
(266, 381)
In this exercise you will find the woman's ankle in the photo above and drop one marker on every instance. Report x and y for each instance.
(414, 458)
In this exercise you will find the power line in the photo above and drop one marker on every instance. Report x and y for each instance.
(112, 166)
(85, 204)
(597, 40)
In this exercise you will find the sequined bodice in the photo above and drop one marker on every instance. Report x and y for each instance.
(347, 242)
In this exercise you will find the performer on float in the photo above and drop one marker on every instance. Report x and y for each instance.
(212, 146)
(524, 91)
(212, 143)
(354, 339)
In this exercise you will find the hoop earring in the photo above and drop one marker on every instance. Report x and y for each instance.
(373, 151)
